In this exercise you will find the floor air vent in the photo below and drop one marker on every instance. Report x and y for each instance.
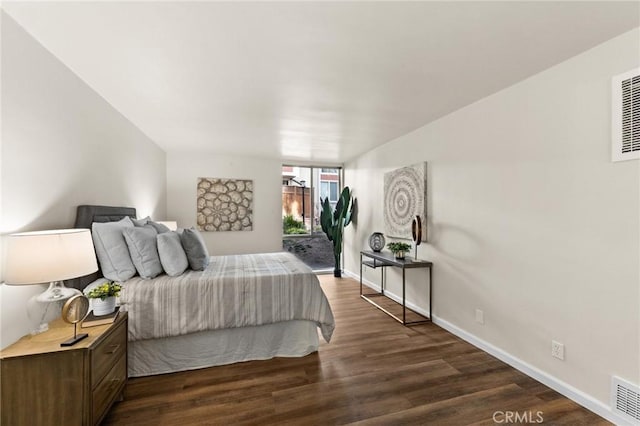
(626, 400)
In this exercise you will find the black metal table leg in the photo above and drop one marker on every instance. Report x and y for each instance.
(383, 260)
(404, 302)
(360, 274)
(430, 292)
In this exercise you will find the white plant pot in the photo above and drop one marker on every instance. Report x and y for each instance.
(104, 307)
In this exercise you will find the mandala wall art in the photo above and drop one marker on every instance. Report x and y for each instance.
(405, 197)
(225, 204)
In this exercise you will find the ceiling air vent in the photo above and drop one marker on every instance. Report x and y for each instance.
(626, 400)
(625, 125)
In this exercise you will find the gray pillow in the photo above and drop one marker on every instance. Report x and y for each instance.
(172, 256)
(195, 248)
(160, 228)
(112, 251)
(144, 250)
(141, 222)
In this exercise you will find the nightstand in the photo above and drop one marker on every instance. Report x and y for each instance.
(42, 383)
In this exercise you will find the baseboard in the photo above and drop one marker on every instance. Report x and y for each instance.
(543, 377)
(554, 383)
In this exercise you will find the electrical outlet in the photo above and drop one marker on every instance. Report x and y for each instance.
(479, 316)
(557, 350)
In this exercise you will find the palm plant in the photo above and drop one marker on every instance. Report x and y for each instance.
(334, 222)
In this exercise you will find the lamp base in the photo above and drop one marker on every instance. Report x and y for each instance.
(47, 306)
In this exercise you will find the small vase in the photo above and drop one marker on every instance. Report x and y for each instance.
(104, 307)
(376, 241)
(399, 255)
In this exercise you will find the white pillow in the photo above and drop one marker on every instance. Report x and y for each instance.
(112, 251)
(172, 256)
(143, 248)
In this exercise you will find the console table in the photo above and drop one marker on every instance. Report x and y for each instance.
(382, 260)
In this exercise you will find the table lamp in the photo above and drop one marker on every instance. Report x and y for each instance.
(49, 256)
(171, 224)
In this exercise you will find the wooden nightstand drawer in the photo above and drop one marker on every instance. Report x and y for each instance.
(107, 352)
(108, 388)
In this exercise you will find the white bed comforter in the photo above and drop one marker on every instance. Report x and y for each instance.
(234, 291)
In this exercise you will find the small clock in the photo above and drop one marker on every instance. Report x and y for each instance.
(74, 311)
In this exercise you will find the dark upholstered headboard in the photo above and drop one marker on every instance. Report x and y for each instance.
(85, 216)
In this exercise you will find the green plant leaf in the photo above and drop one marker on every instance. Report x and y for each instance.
(337, 246)
(334, 221)
(347, 217)
(338, 211)
(326, 218)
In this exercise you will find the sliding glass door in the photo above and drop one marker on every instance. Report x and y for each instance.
(302, 189)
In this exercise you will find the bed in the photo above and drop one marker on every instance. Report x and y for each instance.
(240, 308)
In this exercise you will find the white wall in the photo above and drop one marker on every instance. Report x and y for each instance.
(183, 171)
(63, 145)
(529, 220)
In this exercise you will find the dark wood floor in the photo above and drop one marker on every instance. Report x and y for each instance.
(374, 371)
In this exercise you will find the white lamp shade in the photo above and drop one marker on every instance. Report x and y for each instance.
(171, 224)
(46, 256)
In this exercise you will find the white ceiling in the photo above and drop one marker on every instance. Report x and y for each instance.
(308, 81)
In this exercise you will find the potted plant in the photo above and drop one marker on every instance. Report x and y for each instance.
(333, 223)
(399, 249)
(104, 297)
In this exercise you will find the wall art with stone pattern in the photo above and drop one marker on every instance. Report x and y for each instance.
(225, 204)
(405, 197)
